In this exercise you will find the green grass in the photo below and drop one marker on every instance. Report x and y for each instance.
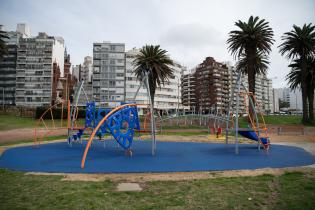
(289, 191)
(277, 120)
(9, 122)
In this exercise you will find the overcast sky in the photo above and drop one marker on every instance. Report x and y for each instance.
(189, 30)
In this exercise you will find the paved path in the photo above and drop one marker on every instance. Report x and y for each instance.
(25, 134)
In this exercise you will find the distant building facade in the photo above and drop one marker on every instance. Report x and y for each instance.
(167, 97)
(108, 72)
(34, 73)
(188, 87)
(8, 69)
(87, 69)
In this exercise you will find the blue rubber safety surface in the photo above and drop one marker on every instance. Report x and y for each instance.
(170, 157)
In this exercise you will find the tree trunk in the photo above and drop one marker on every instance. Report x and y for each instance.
(152, 87)
(304, 91)
(311, 104)
(251, 88)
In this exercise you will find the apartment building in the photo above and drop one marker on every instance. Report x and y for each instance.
(108, 72)
(212, 86)
(188, 86)
(167, 97)
(208, 87)
(8, 69)
(87, 69)
(34, 72)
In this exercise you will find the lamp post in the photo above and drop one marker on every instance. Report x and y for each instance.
(177, 112)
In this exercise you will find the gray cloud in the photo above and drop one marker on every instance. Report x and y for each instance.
(189, 30)
(192, 35)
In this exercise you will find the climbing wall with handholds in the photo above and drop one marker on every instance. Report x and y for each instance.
(101, 113)
(122, 125)
(90, 115)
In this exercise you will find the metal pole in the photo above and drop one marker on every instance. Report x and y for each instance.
(236, 117)
(152, 116)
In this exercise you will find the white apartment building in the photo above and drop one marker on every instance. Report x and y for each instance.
(23, 29)
(167, 97)
(34, 72)
(108, 72)
(76, 72)
(293, 97)
(87, 69)
(263, 91)
(296, 100)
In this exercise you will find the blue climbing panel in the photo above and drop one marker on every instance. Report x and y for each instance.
(90, 115)
(121, 125)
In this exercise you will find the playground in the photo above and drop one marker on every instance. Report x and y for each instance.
(125, 151)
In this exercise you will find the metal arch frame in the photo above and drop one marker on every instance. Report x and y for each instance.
(42, 120)
(97, 127)
(74, 108)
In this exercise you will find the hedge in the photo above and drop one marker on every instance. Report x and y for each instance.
(56, 113)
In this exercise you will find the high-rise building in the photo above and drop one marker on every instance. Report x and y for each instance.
(34, 73)
(212, 86)
(23, 29)
(263, 92)
(8, 69)
(188, 87)
(87, 69)
(167, 97)
(76, 72)
(108, 72)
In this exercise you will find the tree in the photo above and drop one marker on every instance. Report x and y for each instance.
(3, 46)
(300, 43)
(294, 79)
(283, 104)
(153, 61)
(251, 45)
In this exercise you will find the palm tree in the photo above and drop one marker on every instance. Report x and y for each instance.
(251, 45)
(295, 80)
(3, 46)
(154, 62)
(300, 43)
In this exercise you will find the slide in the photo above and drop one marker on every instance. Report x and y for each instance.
(251, 134)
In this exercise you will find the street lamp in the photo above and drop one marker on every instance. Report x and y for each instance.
(177, 113)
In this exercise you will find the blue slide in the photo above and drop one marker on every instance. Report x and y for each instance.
(251, 134)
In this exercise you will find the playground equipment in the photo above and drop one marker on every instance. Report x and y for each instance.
(255, 131)
(75, 131)
(121, 121)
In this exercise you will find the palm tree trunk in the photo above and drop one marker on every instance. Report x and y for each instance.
(152, 87)
(304, 90)
(311, 104)
(251, 88)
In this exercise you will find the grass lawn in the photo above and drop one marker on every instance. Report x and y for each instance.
(292, 190)
(277, 120)
(9, 121)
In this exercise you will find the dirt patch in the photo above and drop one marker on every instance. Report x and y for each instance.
(16, 135)
(179, 176)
